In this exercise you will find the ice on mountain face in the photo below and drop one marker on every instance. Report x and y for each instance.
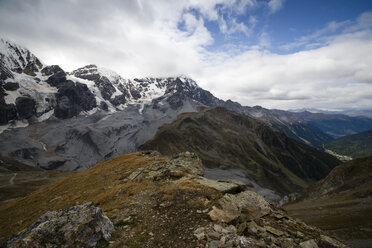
(46, 116)
(94, 89)
(40, 91)
(18, 58)
(29, 80)
(148, 89)
(111, 75)
(189, 82)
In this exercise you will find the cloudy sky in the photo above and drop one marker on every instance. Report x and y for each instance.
(284, 54)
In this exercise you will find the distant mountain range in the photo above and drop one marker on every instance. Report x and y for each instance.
(349, 112)
(70, 121)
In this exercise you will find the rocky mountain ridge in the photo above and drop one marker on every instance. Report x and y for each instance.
(100, 114)
(154, 201)
(227, 140)
(46, 91)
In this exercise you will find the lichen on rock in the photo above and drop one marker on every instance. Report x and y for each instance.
(79, 226)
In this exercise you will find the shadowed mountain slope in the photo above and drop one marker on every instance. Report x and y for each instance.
(341, 203)
(355, 145)
(226, 139)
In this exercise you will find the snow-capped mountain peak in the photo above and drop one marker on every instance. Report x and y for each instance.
(33, 92)
(18, 58)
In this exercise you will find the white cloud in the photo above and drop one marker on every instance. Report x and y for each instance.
(334, 76)
(275, 5)
(142, 38)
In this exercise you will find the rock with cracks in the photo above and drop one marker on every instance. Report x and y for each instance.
(246, 205)
(79, 226)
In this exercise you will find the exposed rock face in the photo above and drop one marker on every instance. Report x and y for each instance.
(247, 220)
(246, 205)
(79, 226)
(57, 78)
(72, 98)
(8, 112)
(50, 70)
(180, 165)
(25, 107)
(89, 72)
(224, 186)
(162, 210)
(11, 86)
(19, 59)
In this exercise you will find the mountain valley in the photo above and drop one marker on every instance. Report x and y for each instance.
(152, 153)
(224, 139)
(340, 203)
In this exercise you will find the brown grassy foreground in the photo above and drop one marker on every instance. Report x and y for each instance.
(148, 207)
(20, 183)
(347, 219)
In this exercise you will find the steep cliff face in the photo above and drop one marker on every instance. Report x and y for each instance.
(228, 140)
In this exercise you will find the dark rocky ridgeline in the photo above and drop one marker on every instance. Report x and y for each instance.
(79, 226)
(90, 72)
(72, 98)
(227, 140)
(21, 60)
(7, 111)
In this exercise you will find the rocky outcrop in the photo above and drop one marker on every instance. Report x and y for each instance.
(248, 220)
(25, 107)
(224, 186)
(239, 218)
(72, 98)
(57, 78)
(104, 84)
(244, 206)
(180, 165)
(79, 226)
(50, 70)
(158, 201)
(11, 86)
(8, 112)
